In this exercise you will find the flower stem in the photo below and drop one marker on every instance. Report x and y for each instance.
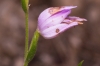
(25, 8)
(25, 63)
(26, 39)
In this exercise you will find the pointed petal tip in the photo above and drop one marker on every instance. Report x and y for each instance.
(74, 6)
(71, 7)
(82, 19)
(76, 18)
(85, 20)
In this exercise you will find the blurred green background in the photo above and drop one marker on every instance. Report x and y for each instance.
(81, 42)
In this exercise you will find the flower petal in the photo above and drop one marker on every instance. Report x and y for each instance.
(74, 18)
(47, 13)
(44, 15)
(55, 19)
(51, 32)
(68, 7)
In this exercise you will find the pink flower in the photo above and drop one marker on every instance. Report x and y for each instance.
(55, 20)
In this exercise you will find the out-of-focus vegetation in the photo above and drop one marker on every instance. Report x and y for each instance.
(68, 49)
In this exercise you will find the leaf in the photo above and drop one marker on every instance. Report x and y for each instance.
(25, 5)
(33, 46)
(80, 64)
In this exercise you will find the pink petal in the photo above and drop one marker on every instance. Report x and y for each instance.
(68, 7)
(45, 14)
(55, 19)
(74, 18)
(51, 32)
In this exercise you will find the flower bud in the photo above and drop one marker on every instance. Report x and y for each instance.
(55, 20)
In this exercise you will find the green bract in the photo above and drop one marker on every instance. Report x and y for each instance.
(25, 5)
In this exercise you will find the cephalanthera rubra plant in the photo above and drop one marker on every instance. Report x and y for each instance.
(51, 22)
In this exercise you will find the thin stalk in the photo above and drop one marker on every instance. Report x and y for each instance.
(26, 38)
(26, 63)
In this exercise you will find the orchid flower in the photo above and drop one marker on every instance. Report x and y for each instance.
(55, 20)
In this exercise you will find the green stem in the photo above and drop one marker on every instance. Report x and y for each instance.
(26, 9)
(26, 39)
(26, 63)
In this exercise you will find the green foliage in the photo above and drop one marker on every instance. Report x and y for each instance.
(25, 9)
(26, 35)
(25, 5)
(33, 46)
(29, 53)
(80, 64)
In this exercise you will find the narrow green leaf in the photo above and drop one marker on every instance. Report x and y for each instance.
(80, 64)
(25, 5)
(33, 46)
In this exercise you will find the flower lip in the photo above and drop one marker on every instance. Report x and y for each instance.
(74, 18)
(71, 19)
